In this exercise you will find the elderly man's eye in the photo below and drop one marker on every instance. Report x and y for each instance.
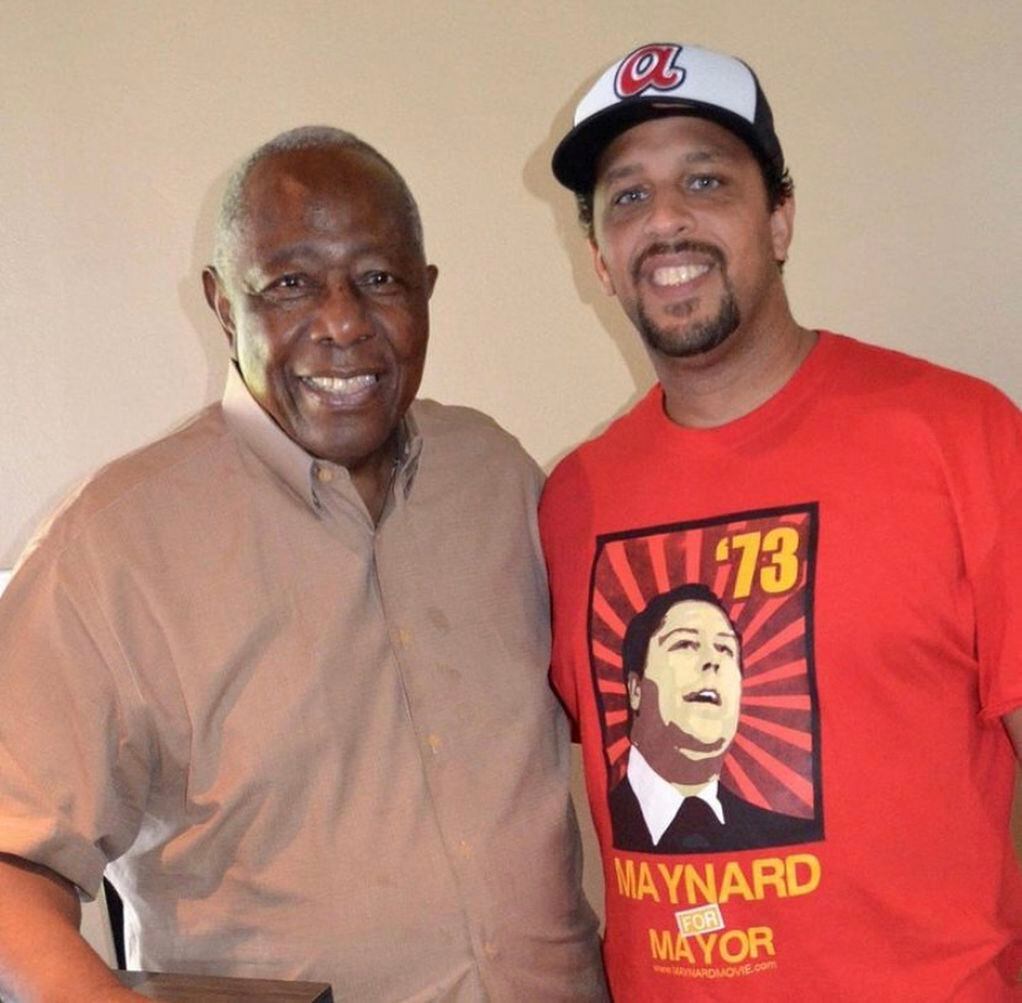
(284, 286)
(378, 278)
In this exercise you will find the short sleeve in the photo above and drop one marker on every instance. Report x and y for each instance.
(562, 531)
(73, 754)
(990, 501)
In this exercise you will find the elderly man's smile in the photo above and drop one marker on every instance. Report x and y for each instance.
(341, 391)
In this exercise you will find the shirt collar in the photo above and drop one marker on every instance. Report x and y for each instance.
(658, 800)
(293, 465)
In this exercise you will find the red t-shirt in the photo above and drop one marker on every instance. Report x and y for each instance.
(860, 530)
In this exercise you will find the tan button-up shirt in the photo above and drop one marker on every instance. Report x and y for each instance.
(311, 746)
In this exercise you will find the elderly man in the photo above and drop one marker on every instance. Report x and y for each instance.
(682, 664)
(857, 511)
(282, 673)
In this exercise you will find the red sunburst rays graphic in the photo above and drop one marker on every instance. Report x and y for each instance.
(770, 763)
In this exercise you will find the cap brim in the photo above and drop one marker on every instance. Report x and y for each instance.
(575, 160)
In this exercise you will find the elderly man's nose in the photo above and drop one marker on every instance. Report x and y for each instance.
(342, 319)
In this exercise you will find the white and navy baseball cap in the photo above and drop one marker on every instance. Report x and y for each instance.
(666, 79)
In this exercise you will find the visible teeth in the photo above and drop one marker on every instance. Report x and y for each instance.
(340, 384)
(704, 696)
(677, 275)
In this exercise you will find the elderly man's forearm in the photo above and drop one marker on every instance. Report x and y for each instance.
(43, 958)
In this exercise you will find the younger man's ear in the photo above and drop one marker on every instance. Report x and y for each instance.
(601, 268)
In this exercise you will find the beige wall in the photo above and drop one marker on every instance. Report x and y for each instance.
(120, 121)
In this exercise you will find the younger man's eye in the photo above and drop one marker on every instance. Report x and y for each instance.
(705, 183)
(629, 197)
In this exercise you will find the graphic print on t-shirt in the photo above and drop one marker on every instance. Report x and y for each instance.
(701, 649)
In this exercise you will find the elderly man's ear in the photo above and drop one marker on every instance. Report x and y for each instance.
(219, 302)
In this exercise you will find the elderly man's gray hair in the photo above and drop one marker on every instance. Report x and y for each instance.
(306, 137)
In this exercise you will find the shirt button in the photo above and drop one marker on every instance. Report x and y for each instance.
(404, 637)
(490, 949)
(324, 475)
(465, 848)
(436, 744)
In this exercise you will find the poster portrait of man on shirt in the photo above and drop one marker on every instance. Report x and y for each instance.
(683, 671)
